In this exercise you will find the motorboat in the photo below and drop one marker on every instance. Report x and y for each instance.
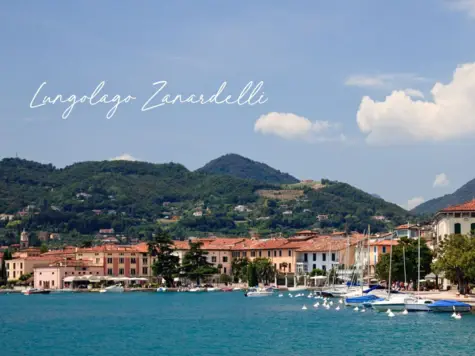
(161, 289)
(297, 289)
(197, 290)
(364, 300)
(417, 304)
(237, 289)
(227, 289)
(117, 288)
(448, 306)
(395, 302)
(212, 289)
(259, 292)
(30, 291)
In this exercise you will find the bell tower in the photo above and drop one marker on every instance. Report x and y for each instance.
(24, 239)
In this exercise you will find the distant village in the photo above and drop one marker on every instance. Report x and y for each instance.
(292, 257)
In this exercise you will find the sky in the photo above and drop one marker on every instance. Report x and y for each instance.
(378, 94)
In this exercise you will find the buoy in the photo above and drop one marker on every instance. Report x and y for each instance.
(304, 308)
(340, 301)
(356, 309)
(363, 310)
(388, 311)
(316, 305)
(281, 295)
(453, 315)
(404, 312)
(458, 316)
(337, 308)
(331, 303)
(327, 306)
(390, 314)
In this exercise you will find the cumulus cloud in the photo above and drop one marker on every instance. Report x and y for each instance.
(414, 93)
(124, 157)
(400, 117)
(412, 203)
(290, 126)
(382, 81)
(441, 180)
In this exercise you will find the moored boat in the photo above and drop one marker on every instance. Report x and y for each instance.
(227, 289)
(297, 289)
(161, 289)
(362, 300)
(449, 306)
(394, 302)
(212, 289)
(259, 292)
(197, 290)
(30, 291)
(417, 304)
(117, 288)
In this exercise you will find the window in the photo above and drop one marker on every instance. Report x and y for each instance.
(324, 267)
(96, 254)
(213, 259)
(280, 253)
(457, 229)
(144, 261)
(290, 267)
(374, 249)
(457, 215)
(268, 253)
(98, 260)
(52, 283)
(121, 260)
(14, 266)
(41, 283)
(384, 249)
(133, 260)
(253, 253)
(260, 253)
(109, 271)
(324, 256)
(333, 257)
(305, 257)
(65, 273)
(244, 254)
(14, 274)
(290, 253)
(132, 271)
(314, 256)
(275, 253)
(21, 265)
(224, 270)
(225, 259)
(234, 254)
(472, 228)
(109, 259)
(121, 271)
(121, 254)
(52, 272)
(145, 270)
(132, 254)
(314, 266)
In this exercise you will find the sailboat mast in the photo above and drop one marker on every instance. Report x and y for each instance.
(419, 264)
(404, 260)
(369, 253)
(390, 265)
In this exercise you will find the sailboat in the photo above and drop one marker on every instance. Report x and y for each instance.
(416, 303)
(394, 302)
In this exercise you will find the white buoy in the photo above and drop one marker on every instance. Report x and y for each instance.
(454, 314)
(458, 316)
(281, 295)
(363, 310)
(316, 305)
(390, 314)
(340, 301)
(327, 306)
(337, 308)
(404, 312)
(304, 308)
(356, 309)
(388, 311)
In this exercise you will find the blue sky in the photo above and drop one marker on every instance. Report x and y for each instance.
(319, 60)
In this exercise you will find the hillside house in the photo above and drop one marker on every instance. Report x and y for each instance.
(456, 219)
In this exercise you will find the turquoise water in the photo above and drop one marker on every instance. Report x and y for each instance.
(142, 324)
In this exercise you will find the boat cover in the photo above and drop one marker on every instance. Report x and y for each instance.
(448, 303)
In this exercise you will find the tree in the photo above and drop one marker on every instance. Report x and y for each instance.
(3, 271)
(317, 272)
(224, 278)
(195, 264)
(456, 257)
(239, 268)
(405, 252)
(265, 269)
(252, 276)
(86, 244)
(166, 265)
(43, 248)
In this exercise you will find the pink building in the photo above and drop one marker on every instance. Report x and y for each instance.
(52, 276)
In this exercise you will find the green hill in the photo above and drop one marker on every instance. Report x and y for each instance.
(461, 195)
(132, 196)
(242, 167)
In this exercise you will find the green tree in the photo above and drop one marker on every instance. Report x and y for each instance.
(166, 265)
(195, 264)
(239, 268)
(224, 278)
(405, 252)
(265, 269)
(456, 258)
(3, 271)
(252, 276)
(86, 244)
(43, 248)
(317, 272)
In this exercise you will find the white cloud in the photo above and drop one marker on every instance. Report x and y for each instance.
(412, 203)
(414, 93)
(462, 5)
(441, 180)
(124, 157)
(382, 81)
(290, 126)
(400, 118)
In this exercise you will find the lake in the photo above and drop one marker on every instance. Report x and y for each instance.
(216, 324)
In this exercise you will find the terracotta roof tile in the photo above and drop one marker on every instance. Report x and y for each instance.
(406, 226)
(467, 206)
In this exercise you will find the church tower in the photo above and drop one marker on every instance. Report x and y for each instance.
(24, 240)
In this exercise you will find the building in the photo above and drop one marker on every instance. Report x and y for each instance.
(408, 230)
(18, 267)
(378, 248)
(456, 219)
(24, 239)
(27, 252)
(52, 276)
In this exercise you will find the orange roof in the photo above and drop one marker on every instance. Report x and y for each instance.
(467, 206)
(385, 243)
(304, 232)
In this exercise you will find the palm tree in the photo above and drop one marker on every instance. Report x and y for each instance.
(284, 265)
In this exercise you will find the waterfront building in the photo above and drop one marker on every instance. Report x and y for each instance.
(18, 267)
(411, 231)
(455, 219)
(52, 276)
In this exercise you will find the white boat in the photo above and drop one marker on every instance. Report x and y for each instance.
(297, 289)
(417, 304)
(259, 292)
(237, 289)
(30, 291)
(161, 289)
(212, 289)
(395, 302)
(197, 290)
(117, 288)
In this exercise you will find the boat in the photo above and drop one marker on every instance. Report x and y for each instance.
(417, 304)
(197, 290)
(448, 306)
(227, 289)
(394, 302)
(161, 289)
(259, 292)
(30, 291)
(117, 288)
(64, 290)
(297, 289)
(363, 300)
(237, 289)
(212, 289)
